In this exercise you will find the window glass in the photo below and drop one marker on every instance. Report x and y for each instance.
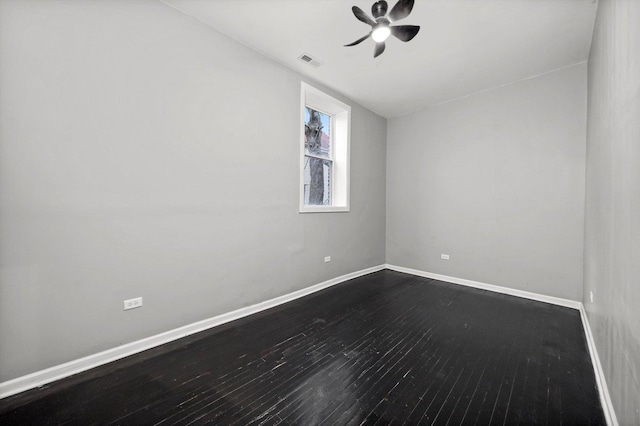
(318, 164)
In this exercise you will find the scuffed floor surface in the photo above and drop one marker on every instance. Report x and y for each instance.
(386, 348)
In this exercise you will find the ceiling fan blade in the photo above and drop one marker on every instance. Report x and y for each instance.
(401, 10)
(405, 32)
(362, 16)
(358, 41)
(379, 49)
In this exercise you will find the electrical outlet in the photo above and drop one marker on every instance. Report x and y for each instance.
(133, 303)
(444, 256)
(327, 259)
(591, 296)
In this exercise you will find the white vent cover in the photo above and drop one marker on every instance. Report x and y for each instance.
(308, 59)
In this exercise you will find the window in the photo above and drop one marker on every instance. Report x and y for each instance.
(324, 153)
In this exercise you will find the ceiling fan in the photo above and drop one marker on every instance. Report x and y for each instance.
(380, 24)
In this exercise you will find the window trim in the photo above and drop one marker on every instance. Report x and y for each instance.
(340, 114)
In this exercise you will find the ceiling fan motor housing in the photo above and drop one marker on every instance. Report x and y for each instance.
(379, 9)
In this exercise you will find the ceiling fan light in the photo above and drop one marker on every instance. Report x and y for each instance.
(381, 33)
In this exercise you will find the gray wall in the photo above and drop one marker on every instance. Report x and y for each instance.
(495, 180)
(612, 218)
(144, 154)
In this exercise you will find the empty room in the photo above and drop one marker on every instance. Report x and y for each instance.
(336, 212)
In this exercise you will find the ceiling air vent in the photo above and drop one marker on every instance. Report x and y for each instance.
(306, 58)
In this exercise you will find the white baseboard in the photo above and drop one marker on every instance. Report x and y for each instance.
(491, 287)
(57, 372)
(605, 398)
(42, 377)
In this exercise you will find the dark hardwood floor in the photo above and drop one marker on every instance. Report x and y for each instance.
(386, 348)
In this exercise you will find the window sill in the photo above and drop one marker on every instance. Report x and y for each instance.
(324, 209)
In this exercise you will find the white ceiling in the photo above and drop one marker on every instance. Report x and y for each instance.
(463, 47)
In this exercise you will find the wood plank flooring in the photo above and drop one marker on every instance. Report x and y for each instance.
(386, 348)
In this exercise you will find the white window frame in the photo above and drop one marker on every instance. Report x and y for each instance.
(340, 114)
